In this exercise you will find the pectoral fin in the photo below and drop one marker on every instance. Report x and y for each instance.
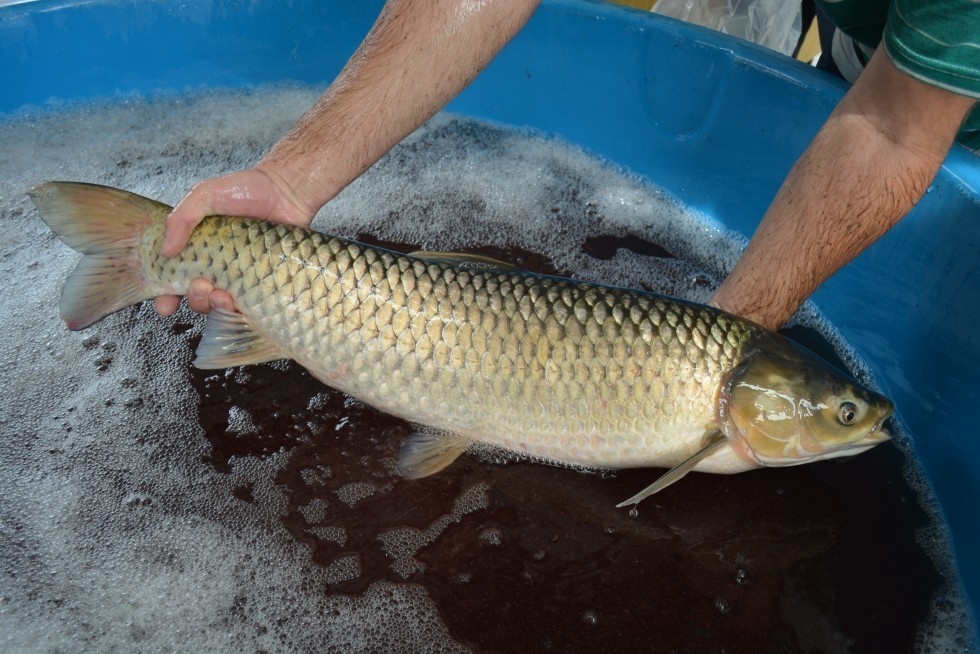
(712, 441)
(230, 340)
(426, 454)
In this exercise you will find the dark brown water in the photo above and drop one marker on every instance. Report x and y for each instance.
(818, 558)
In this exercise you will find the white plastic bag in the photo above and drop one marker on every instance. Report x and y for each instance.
(775, 24)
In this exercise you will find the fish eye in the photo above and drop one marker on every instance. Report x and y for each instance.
(847, 413)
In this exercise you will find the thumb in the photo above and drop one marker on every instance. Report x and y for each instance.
(251, 193)
(188, 213)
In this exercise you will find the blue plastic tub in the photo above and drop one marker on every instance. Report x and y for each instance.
(715, 121)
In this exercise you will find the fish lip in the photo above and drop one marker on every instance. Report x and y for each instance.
(877, 435)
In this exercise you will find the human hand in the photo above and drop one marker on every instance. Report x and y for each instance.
(417, 57)
(253, 193)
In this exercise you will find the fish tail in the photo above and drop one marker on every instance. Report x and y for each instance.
(105, 225)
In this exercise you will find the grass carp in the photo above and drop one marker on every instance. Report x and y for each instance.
(476, 353)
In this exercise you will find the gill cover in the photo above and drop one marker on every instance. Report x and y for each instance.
(786, 406)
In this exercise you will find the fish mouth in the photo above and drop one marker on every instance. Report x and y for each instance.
(878, 433)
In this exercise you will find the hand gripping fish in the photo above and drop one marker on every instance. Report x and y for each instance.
(477, 353)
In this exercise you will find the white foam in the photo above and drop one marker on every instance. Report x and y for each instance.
(401, 544)
(115, 534)
(352, 493)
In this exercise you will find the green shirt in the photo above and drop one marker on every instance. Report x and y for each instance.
(936, 41)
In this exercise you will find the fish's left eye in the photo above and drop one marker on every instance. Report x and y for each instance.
(847, 413)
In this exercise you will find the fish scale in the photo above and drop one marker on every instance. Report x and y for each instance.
(474, 352)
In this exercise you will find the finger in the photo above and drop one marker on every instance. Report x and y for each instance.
(221, 299)
(199, 295)
(167, 305)
(186, 215)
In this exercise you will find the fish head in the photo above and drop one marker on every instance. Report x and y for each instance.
(785, 406)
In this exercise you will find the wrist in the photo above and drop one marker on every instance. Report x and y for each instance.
(755, 302)
(296, 202)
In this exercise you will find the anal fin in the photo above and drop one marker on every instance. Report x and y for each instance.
(230, 340)
(712, 440)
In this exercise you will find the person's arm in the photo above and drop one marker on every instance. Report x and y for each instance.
(866, 168)
(417, 56)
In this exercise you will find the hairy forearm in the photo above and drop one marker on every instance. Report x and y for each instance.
(866, 168)
(416, 58)
(846, 190)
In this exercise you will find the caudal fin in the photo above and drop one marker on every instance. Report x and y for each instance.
(105, 225)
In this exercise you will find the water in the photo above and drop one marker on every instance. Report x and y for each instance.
(149, 506)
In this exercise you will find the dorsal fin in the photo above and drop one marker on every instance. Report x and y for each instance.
(466, 260)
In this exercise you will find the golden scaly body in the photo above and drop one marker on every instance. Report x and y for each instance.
(553, 368)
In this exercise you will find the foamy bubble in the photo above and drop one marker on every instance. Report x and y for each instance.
(315, 511)
(491, 536)
(240, 421)
(352, 493)
(344, 568)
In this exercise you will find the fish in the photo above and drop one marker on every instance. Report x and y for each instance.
(477, 354)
